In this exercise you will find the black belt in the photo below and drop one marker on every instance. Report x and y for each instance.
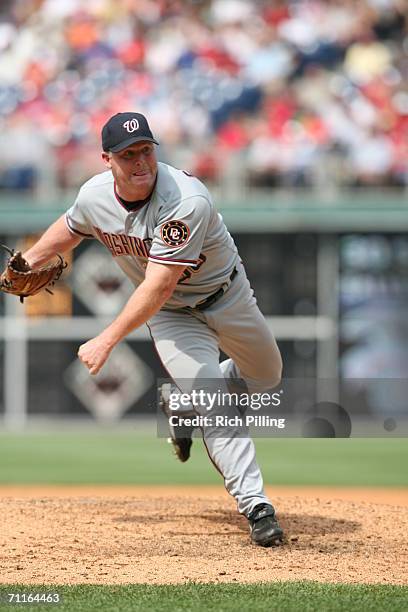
(215, 296)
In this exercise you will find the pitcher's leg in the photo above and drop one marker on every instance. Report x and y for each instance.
(235, 459)
(245, 336)
(189, 351)
(253, 353)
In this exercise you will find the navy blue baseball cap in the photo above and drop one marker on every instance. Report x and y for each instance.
(123, 130)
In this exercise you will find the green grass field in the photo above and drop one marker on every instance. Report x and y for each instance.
(281, 596)
(131, 457)
(135, 457)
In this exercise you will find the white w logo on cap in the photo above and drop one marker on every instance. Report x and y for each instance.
(131, 126)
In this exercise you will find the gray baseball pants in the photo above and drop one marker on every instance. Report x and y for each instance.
(188, 342)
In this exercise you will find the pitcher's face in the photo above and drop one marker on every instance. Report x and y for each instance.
(134, 169)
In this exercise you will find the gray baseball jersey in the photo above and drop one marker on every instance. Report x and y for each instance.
(178, 225)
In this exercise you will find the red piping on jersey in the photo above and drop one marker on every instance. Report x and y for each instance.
(186, 261)
(75, 231)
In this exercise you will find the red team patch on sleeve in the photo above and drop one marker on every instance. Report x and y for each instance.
(175, 233)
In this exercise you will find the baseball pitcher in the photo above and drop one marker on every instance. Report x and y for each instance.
(160, 225)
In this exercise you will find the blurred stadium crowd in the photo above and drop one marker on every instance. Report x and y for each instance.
(302, 93)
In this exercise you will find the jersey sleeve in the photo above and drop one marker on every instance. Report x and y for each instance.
(179, 236)
(76, 220)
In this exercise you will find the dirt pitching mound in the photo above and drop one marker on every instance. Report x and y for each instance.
(176, 538)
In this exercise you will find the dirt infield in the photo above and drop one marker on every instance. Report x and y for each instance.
(118, 535)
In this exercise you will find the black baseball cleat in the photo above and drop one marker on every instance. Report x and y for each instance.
(180, 435)
(181, 448)
(265, 529)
